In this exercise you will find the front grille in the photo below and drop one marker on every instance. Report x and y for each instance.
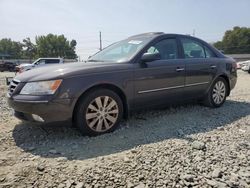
(14, 83)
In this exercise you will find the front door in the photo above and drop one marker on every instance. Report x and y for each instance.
(160, 81)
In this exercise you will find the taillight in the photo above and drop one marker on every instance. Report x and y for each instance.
(234, 65)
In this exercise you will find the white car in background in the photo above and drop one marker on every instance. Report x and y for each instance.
(240, 64)
(246, 66)
(39, 63)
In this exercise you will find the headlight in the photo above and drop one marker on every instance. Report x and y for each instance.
(41, 88)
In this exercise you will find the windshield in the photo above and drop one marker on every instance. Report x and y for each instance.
(121, 51)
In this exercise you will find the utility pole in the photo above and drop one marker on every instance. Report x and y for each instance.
(100, 37)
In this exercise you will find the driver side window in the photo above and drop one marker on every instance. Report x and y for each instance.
(40, 62)
(167, 49)
(152, 50)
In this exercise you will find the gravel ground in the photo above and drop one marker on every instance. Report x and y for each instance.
(185, 146)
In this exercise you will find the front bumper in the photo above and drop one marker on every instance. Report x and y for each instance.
(41, 110)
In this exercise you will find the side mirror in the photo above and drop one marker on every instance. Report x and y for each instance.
(222, 51)
(148, 57)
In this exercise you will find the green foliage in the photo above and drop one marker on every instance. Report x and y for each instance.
(12, 48)
(46, 46)
(236, 41)
(29, 49)
(55, 46)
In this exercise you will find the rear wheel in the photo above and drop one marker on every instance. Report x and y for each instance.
(217, 94)
(98, 112)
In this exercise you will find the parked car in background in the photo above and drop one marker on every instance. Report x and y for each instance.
(143, 71)
(240, 64)
(8, 66)
(246, 66)
(39, 63)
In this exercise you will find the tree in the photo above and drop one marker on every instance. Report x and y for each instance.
(12, 48)
(236, 41)
(29, 49)
(55, 46)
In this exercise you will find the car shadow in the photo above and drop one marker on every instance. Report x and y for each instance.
(62, 140)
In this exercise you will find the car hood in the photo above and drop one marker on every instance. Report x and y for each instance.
(25, 65)
(62, 71)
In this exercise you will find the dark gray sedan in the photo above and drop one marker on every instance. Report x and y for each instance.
(147, 70)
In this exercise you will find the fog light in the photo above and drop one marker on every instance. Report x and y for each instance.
(37, 118)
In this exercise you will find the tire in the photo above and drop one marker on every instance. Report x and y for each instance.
(99, 111)
(217, 94)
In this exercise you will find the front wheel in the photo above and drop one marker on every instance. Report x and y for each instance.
(100, 111)
(217, 94)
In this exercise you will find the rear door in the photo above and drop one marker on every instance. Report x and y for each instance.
(160, 81)
(201, 67)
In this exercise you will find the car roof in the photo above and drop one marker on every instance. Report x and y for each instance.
(157, 34)
(50, 58)
(154, 35)
(149, 34)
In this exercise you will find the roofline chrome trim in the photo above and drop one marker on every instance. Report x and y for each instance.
(174, 87)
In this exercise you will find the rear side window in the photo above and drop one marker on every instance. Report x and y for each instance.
(167, 49)
(209, 53)
(192, 48)
(52, 61)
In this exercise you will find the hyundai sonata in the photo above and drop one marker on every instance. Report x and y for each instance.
(142, 71)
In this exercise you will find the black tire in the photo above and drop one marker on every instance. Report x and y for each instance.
(82, 108)
(209, 100)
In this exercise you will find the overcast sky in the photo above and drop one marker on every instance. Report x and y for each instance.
(83, 19)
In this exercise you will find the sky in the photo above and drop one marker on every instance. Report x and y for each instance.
(118, 19)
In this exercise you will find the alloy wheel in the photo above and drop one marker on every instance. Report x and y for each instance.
(102, 113)
(219, 92)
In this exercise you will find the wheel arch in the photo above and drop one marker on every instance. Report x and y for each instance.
(225, 77)
(109, 86)
(228, 82)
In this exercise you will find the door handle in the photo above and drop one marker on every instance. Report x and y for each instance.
(213, 66)
(179, 69)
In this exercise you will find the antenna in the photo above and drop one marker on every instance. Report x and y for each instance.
(194, 32)
(100, 37)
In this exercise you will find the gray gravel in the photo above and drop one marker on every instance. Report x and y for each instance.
(185, 146)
